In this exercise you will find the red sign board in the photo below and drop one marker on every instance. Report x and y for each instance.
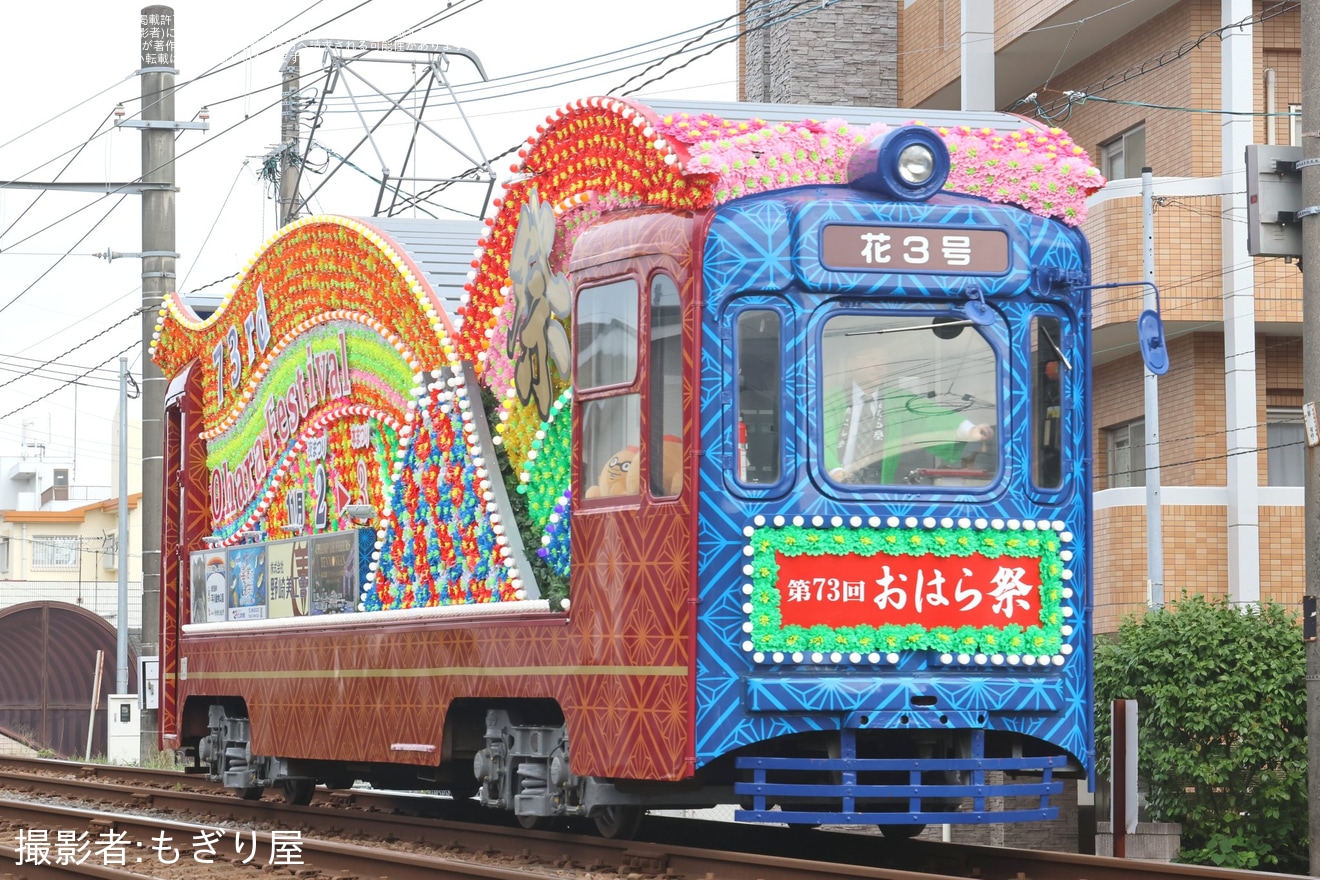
(955, 591)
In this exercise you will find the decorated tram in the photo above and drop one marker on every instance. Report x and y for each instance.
(740, 456)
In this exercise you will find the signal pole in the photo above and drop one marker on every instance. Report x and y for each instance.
(1310, 393)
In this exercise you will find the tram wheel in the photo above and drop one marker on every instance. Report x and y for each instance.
(901, 832)
(252, 793)
(535, 823)
(298, 791)
(619, 822)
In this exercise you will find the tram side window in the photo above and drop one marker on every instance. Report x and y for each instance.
(611, 429)
(760, 377)
(666, 366)
(606, 326)
(1047, 366)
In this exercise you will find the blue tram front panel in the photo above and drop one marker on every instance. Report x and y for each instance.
(895, 485)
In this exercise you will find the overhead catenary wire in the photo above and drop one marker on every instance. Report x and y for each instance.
(210, 231)
(231, 190)
(15, 298)
(211, 139)
(130, 316)
(1059, 109)
(78, 152)
(36, 400)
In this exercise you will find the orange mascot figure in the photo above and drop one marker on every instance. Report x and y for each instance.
(619, 476)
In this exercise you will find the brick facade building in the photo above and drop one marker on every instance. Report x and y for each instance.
(1231, 446)
(1154, 74)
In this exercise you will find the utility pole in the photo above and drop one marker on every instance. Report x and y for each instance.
(1154, 510)
(289, 141)
(121, 642)
(1311, 392)
(158, 280)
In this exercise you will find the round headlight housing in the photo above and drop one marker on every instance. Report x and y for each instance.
(908, 163)
(916, 163)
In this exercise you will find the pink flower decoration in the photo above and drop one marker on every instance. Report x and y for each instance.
(1040, 170)
(499, 370)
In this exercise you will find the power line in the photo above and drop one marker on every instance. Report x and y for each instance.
(35, 400)
(1060, 109)
(131, 315)
(76, 244)
(214, 222)
(72, 159)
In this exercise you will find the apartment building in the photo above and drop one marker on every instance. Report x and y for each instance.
(1181, 87)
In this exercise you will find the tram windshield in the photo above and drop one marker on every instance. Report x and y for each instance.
(907, 399)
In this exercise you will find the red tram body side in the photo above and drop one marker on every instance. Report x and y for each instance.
(620, 665)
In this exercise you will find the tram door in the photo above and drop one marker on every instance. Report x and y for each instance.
(183, 524)
(634, 470)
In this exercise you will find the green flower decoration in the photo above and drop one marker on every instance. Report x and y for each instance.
(1029, 550)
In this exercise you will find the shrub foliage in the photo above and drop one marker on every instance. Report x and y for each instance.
(1221, 695)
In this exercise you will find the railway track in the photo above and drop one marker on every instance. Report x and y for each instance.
(379, 834)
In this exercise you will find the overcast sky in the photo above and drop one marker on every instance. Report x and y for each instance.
(66, 67)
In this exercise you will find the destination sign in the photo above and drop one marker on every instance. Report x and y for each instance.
(914, 249)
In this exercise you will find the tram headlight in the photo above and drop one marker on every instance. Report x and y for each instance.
(916, 164)
(909, 163)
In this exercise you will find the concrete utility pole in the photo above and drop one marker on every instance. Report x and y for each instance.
(158, 280)
(1311, 391)
(289, 142)
(1154, 508)
(1239, 286)
(978, 54)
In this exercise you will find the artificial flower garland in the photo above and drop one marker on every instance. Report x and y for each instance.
(769, 635)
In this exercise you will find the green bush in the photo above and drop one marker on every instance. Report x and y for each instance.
(1221, 694)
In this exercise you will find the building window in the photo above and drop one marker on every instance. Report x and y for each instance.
(1295, 125)
(4, 555)
(1125, 155)
(55, 552)
(1127, 455)
(1285, 437)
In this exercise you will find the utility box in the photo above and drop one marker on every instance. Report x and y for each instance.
(123, 729)
(1274, 199)
(149, 682)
